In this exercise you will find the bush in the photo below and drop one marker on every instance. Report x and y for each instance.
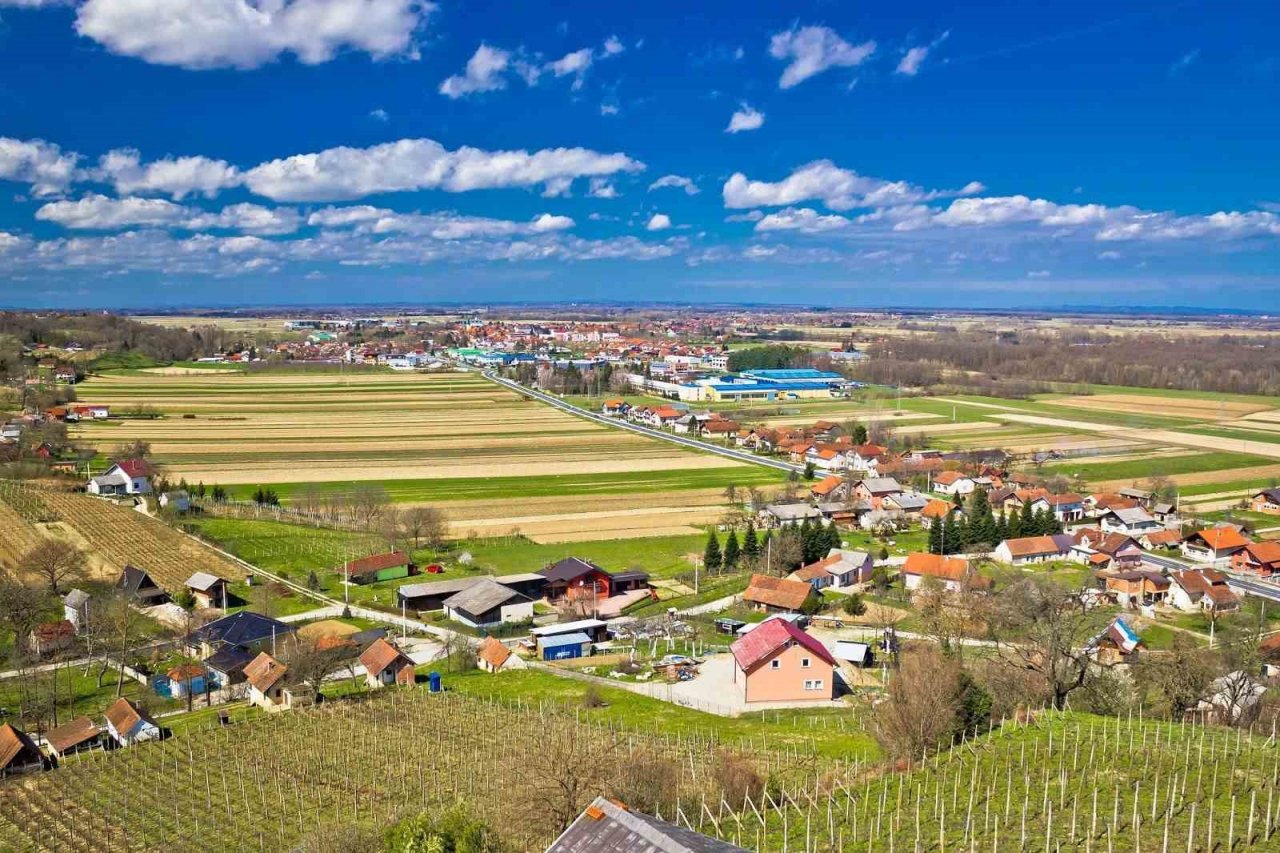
(456, 830)
(591, 698)
(854, 605)
(736, 778)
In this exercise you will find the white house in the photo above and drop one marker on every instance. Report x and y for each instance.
(129, 724)
(1201, 589)
(1133, 521)
(127, 477)
(953, 483)
(1026, 550)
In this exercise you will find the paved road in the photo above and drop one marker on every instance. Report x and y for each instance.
(1241, 583)
(651, 432)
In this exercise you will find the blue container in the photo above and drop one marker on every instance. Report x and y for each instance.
(433, 682)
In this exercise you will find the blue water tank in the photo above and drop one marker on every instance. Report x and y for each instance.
(433, 682)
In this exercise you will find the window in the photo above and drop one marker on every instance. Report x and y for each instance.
(804, 663)
(775, 664)
(815, 684)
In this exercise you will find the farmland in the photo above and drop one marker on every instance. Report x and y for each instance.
(450, 439)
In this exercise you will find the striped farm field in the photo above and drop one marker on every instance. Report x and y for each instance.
(451, 438)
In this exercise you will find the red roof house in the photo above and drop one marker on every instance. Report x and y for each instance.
(778, 662)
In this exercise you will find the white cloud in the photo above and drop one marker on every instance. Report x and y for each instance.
(444, 225)
(804, 220)
(745, 119)
(613, 46)
(609, 109)
(575, 63)
(415, 164)
(97, 212)
(41, 164)
(483, 73)
(379, 115)
(201, 34)
(602, 188)
(838, 189)
(173, 176)
(812, 50)
(659, 222)
(1038, 274)
(677, 181)
(911, 61)
(1001, 210)
(336, 217)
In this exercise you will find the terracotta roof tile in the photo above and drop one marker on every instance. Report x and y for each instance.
(777, 592)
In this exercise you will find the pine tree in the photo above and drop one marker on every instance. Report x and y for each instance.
(834, 540)
(731, 551)
(711, 557)
(750, 543)
(952, 536)
(1002, 526)
(935, 536)
(981, 522)
(1026, 520)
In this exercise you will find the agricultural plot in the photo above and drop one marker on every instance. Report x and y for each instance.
(444, 438)
(113, 536)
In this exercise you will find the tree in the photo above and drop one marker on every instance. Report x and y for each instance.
(391, 528)
(425, 524)
(809, 471)
(938, 616)
(368, 502)
(574, 764)
(750, 542)
(732, 551)
(1042, 627)
(711, 557)
(455, 830)
(854, 605)
(21, 607)
(918, 715)
(952, 535)
(935, 535)
(123, 629)
(55, 562)
(980, 524)
(1026, 520)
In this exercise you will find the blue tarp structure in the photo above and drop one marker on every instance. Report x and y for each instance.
(563, 646)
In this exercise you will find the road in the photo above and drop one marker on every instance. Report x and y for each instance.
(1240, 583)
(651, 432)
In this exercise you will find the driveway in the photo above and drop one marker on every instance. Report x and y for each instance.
(714, 691)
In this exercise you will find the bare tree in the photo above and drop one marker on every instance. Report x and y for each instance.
(391, 528)
(55, 562)
(919, 714)
(1043, 628)
(1178, 678)
(20, 608)
(574, 764)
(368, 502)
(123, 628)
(310, 665)
(425, 524)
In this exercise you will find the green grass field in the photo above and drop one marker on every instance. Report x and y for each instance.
(1141, 469)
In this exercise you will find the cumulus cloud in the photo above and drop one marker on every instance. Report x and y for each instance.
(201, 34)
(745, 119)
(97, 212)
(676, 181)
(575, 63)
(483, 73)
(812, 50)
(805, 220)
(177, 177)
(414, 164)
(42, 165)
(837, 188)
(659, 222)
(602, 188)
(911, 61)
(613, 46)
(445, 225)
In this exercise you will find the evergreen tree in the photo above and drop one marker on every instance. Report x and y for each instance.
(731, 551)
(834, 540)
(809, 470)
(935, 536)
(952, 536)
(750, 543)
(981, 523)
(1026, 520)
(711, 557)
(859, 434)
(1002, 526)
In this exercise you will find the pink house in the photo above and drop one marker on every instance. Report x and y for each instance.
(778, 662)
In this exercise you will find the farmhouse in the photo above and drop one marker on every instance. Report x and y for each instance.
(1267, 500)
(953, 572)
(126, 477)
(608, 826)
(576, 579)
(208, 590)
(76, 736)
(1066, 507)
(838, 568)
(129, 724)
(488, 603)
(778, 595)
(779, 662)
(267, 688)
(18, 752)
(244, 629)
(1133, 521)
(1137, 587)
(137, 585)
(379, 567)
(1202, 589)
(384, 664)
(493, 656)
(1034, 549)
(1214, 545)
(832, 488)
(49, 637)
(953, 483)
(1258, 558)
(875, 489)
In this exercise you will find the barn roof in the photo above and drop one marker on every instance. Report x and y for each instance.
(14, 742)
(72, 734)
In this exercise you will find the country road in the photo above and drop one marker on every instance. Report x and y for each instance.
(691, 443)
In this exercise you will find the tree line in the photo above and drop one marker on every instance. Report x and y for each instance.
(979, 528)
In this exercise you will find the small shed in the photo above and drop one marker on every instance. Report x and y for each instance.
(75, 608)
(565, 646)
(18, 752)
(858, 654)
(208, 590)
(136, 584)
(384, 664)
(78, 735)
(50, 637)
(129, 724)
(493, 656)
(380, 567)
(188, 678)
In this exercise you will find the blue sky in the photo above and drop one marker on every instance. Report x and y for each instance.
(212, 152)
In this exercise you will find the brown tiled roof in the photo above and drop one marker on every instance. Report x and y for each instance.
(493, 652)
(264, 671)
(1164, 537)
(1030, 546)
(12, 743)
(185, 672)
(1219, 538)
(777, 592)
(47, 632)
(377, 562)
(124, 715)
(71, 734)
(1266, 551)
(381, 655)
(937, 509)
(935, 565)
(826, 485)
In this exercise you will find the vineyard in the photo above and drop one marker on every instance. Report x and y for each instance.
(114, 534)
(1053, 782)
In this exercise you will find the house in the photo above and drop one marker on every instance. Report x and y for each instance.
(1202, 589)
(1115, 644)
(1137, 587)
(718, 428)
(188, 678)
(129, 724)
(384, 664)
(208, 590)
(1231, 700)
(226, 665)
(907, 503)
(953, 483)
(1257, 558)
(19, 753)
(1165, 512)
(488, 603)
(832, 488)
(575, 578)
(614, 407)
(1105, 550)
(1267, 500)
(789, 515)
(838, 568)
(178, 501)
(937, 510)
(126, 477)
(76, 736)
(875, 489)
(608, 826)
(1161, 539)
(868, 457)
(75, 608)
(1132, 521)
(1066, 507)
(136, 585)
(245, 629)
(778, 595)
(1026, 550)
(267, 687)
(661, 416)
(379, 567)
(50, 637)
(780, 662)
(1214, 545)
(493, 656)
(952, 571)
